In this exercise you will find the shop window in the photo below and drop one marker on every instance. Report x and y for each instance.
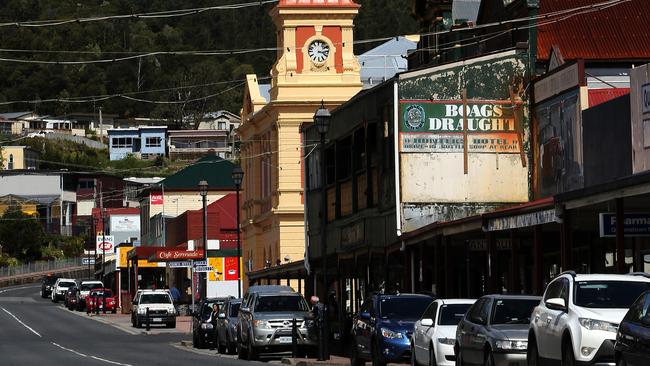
(359, 150)
(330, 165)
(152, 141)
(343, 158)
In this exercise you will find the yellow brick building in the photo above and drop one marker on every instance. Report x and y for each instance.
(315, 62)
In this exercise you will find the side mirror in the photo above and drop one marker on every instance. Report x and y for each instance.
(244, 310)
(221, 316)
(557, 303)
(426, 322)
(364, 315)
(135, 302)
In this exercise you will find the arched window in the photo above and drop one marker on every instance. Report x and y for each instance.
(10, 165)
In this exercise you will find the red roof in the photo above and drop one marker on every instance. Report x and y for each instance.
(318, 3)
(619, 32)
(599, 96)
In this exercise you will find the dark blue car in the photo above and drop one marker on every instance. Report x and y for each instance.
(381, 331)
(633, 338)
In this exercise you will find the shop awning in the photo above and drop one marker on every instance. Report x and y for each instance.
(529, 214)
(293, 271)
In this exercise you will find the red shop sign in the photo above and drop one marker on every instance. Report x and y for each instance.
(172, 255)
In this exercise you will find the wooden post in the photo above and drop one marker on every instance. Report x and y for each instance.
(519, 126)
(620, 236)
(538, 261)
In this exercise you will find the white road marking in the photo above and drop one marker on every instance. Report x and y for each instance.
(23, 324)
(17, 288)
(70, 350)
(93, 357)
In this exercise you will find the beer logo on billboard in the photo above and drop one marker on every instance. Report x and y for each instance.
(414, 117)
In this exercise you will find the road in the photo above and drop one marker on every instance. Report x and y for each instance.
(34, 331)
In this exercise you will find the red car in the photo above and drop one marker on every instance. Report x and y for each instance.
(97, 298)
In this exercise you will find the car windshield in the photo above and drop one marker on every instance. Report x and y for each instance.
(155, 299)
(90, 286)
(513, 311)
(403, 307)
(234, 309)
(207, 308)
(66, 284)
(608, 294)
(451, 314)
(281, 303)
(50, 280)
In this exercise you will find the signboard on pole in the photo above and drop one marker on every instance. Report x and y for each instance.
(105, 243)
(87, 261)
(634, 224)
(203, 269)
(156, 199)
(179, 264)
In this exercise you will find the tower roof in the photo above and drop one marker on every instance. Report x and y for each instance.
(318, 3)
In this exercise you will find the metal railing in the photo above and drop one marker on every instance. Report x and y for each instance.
(40, 266)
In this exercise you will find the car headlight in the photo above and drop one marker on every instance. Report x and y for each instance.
(307, 324)
(512, 345)
(171, 310)
(593, 324)
(261, 324)
(387, 333)
(447, 341)
(142, 311)
(48, 287)
(206, 326)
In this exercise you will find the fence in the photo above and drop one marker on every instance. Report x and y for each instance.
(78, 139)
(40, 266)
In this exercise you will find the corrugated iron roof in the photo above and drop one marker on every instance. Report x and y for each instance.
(619, 32)
(599, 96)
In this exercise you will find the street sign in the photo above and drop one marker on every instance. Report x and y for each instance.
(179, 264)
(204, 269)
(200, 263)
(88, 261)
(634, 224)
(105, 243)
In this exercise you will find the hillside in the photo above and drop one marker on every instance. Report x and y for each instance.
(108, 39)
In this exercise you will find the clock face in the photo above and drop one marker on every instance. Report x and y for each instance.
(318, 51)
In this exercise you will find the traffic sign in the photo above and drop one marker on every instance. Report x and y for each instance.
(180, 264)
(88, 261)
(203, 269)
(201, 263)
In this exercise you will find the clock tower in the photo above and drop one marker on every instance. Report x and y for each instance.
(315, 51)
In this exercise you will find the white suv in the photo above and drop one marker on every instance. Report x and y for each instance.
(160, 307)
(61, 287)
(577, 320)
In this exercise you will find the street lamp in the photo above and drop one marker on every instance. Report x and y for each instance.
(104, 258)
(322, 119)
(237, 177)
(203, 191)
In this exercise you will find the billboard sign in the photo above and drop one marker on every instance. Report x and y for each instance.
(105, 244)
(125, 223)
(230, 270)
(173, 255)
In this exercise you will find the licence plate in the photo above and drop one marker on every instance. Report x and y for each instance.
(157, 319)
(284, 339)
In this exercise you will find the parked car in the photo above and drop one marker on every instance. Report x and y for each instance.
(227, 326)
(47, 284)
(60, 287)
(160, 305)
(434, 335)
(70, 298)
(632, 346)
(101, 298)
(266, 320)
(84, 289)
(382, 330)
(494, 331)
(579, 317)
(204, 323)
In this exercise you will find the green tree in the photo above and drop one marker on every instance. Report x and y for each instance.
(21, 235)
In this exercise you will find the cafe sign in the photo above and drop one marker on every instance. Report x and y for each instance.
(173, 255)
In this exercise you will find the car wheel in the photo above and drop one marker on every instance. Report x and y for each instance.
(568, 359)
(432, 356)
(621, 361)
(532, 356)
(489, 358)
(376, 356)
(354, 357)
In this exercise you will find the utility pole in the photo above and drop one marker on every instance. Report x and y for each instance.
(101, 127)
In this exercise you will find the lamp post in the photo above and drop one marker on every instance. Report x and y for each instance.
(94, 247)
(322, 119)
(237, 177)
(203, 191)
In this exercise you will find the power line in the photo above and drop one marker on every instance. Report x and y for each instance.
(151, 15)
(549, 16)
